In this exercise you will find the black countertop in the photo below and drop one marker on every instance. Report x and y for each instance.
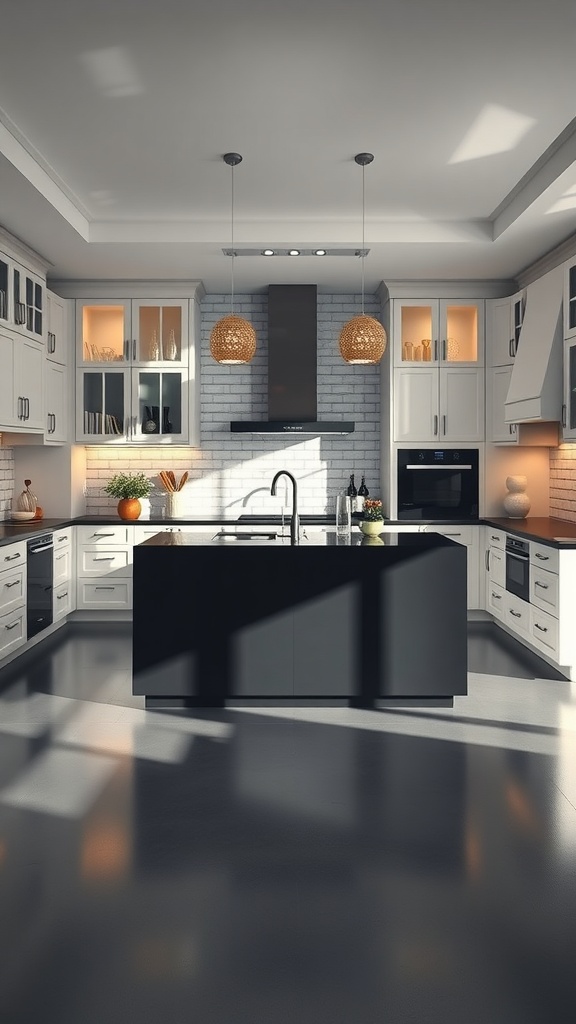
(327, 538)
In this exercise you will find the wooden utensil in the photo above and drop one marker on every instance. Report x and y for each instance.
(183, 480)
(166, 480)
(172, 479)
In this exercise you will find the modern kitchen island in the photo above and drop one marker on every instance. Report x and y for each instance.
(252, 619)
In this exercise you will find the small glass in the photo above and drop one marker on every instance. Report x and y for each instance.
(343, 515)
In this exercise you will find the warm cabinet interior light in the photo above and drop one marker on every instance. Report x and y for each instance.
(268, 252)
(320, 252)
(294, 252)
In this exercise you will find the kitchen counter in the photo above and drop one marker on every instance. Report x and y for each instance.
(220, 621)
(557, 533)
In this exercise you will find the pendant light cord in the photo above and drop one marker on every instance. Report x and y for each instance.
(232, 238)
(363, 250)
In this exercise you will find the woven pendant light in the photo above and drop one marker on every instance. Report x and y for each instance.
(233, 339)
(363, 339)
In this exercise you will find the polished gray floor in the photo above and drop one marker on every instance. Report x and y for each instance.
(285, 866)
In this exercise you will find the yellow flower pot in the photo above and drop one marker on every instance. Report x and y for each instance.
(372, 527)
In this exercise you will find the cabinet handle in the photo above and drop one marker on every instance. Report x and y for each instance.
(13, 584)
(444, 349)
(60, 596)
(10, 558)
(494, 536)
(435, 350)
(58, 557)
(102, 534)
(105, 588)
(134, 350)
(63, 537)
(435, 425)
(517, 615)
(497, 597)
(452, 534)
(511, 348)
(543, 629)
(543, 558)
(13, 624)
(487, 559)
(104, 558)
(444, 425)
(563, 415)
(27, 401)
(543, 586)
(19, 408)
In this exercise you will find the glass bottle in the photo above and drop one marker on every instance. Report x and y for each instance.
(363, 493)
(352, 493)
(171, 347)
(154, 347)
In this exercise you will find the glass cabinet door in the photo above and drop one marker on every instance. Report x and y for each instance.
(4, 287)
(159, 415)
(570, 293)
(28, 299)
(416, 332)
(103, 330)
(569, 407)
(161, 329)
(102, 412)
(462, 332)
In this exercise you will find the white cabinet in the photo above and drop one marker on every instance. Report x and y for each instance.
(104, 567)
(570, 299)
(432, 403)
(136, 376)
(569, 383)
(29, 291)
(63, 594)
(503, 323)
(56, 333)
(12, 598)
(21, 383)
(498, 431)
(438, 331)
(56, 414)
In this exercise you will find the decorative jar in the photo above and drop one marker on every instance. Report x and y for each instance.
(516, 503)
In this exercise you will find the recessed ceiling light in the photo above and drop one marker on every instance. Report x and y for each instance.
(268, 252)
(320, 252)
(294, 252)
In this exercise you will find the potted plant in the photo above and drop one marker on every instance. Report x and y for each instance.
(129, 487)
(372, 517)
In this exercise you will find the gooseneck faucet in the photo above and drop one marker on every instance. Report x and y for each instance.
(295, 522)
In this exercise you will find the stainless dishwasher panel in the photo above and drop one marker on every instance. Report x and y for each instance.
(39, 584)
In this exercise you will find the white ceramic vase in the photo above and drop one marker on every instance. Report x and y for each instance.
(516, 503)
(174, 505)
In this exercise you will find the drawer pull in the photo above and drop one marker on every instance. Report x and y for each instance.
(60, 596)
(497, 597)
(63, 537)
(494, 536)
(517, 615)
(543, 558)
(13, 584)
(543, 586)
(58, 557)
(104, 558)
(543, 629)
(10, 558)
(13, 624)
(452, 534)
(102, 534)
(105, 588)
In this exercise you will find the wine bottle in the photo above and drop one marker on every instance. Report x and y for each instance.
(352, 494)
(363, 493)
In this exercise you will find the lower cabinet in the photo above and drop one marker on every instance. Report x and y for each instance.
(470, 537)
(104, 567)
(12, 598)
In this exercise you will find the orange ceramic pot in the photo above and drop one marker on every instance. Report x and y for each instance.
(129, 508)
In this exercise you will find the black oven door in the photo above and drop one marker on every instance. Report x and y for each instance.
(438, 484)
(518, 568)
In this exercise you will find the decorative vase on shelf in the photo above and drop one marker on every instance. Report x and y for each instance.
(516, 503)
(171, 352)
(129, 508)
(371, 527)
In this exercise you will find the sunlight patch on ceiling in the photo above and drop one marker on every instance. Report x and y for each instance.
(567, 201)
(112, 71)
(496, 130)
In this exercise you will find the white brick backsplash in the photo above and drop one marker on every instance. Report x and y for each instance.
(563, 482)
(231, 474)
(6, 482)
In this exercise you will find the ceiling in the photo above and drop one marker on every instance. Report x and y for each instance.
(115, 116)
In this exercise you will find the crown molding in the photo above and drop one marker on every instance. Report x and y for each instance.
(128, 289)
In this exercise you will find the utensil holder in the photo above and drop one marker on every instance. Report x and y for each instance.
(174, 505)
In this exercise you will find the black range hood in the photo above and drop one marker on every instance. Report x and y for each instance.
(292, 367)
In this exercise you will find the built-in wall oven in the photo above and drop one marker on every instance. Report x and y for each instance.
(437, 483)
(518, 567)
(39, 583)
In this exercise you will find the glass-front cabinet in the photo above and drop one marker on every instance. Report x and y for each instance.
(438, 331)
(132, 332)
(569, 406)
(570, 299)
(133, 371)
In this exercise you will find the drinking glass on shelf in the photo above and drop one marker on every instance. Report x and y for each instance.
(343, 515)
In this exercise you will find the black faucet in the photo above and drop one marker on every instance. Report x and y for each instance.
(295, 522)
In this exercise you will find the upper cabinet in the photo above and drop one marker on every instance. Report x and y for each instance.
(136, 371)
(503, 323)
(22, 297)
(56, 333)
(570, 299)
(137, 332)
(439, 332)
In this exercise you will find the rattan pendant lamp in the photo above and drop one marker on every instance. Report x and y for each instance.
(233, 339)
(363, 339)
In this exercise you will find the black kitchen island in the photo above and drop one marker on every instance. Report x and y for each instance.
(237, 620)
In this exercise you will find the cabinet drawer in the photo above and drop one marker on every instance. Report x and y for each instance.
(517, 613)
(61, 600)
(459, 534)
(62, 538)
(105, 595)
(142, 533)
(544, 556)
(12, 590)
(497, 567)
(103, 561)
(109, 536)
(496, 538)
(12, 555)
(544, 630)
(62, 564)
(12, 631)
(496, 600)
(544, 589)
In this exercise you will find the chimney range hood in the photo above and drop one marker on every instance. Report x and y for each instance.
(292, 368)
(535, 390)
